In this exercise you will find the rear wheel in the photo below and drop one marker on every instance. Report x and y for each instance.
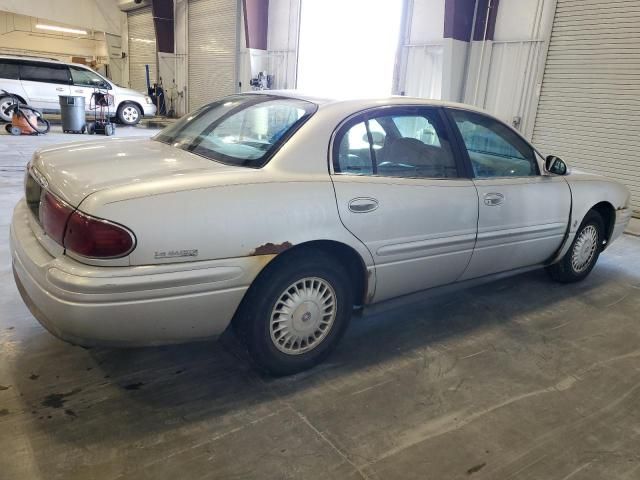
(296, 312)
(5, 102)
(129, 114)
(583, 254)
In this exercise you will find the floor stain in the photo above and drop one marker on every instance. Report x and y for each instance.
(57, 400)
(70, 412)
(2, 387)
(4, 412)
(33, 376)
(477, 468)
(133, 386)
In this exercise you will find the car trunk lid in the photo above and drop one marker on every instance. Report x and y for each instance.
(74, 171)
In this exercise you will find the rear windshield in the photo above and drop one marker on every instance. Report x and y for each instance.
(241, 130)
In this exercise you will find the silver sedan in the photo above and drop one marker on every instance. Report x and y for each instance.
(280, 214)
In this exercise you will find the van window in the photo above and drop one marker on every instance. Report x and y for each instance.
(86, 78)
(45, 72)
(9, 70)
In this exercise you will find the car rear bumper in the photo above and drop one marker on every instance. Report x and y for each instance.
(127, 306)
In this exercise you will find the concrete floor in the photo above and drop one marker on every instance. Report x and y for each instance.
(521, 378)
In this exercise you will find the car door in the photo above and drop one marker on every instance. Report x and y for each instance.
(84, 82)
(44, 82)
(523, 214)
(401, 190)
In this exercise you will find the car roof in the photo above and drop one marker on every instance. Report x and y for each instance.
(365, 103)
(33, 58)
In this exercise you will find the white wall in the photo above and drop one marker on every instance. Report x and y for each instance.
(427, 21)
(102, 15)
(507, 83)
(422, 53)
(282, 42)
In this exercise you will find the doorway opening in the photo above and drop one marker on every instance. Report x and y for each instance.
(348, 48)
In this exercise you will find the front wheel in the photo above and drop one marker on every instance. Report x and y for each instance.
(129, 114)
(583, 254)
(296, 312)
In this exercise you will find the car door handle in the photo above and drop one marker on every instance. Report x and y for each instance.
(79, 90)
(363, 205)
(493, 199)
(59, 89)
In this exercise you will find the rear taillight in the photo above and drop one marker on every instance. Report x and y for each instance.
(53, 214)
(83, 234)
(96, 238)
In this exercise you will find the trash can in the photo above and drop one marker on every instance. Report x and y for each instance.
(73, 114)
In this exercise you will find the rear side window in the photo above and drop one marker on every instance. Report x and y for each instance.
(9, 70)
(407, 142)
(45, 72)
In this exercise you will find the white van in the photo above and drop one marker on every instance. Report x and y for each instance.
(38, 82)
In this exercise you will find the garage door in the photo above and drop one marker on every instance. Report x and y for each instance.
(142, 48)
(212, 50)
(589, 111)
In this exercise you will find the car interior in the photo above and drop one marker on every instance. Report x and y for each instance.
(401, 146)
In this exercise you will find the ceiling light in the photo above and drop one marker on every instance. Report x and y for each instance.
(61, 29)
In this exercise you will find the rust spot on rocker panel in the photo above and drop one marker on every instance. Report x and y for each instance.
(369, 294)
(272, 248)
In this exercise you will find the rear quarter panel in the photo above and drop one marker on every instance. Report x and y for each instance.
(228, 221)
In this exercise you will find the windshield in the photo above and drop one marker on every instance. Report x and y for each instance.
(241, 130)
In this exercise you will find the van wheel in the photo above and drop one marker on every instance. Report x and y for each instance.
(583, 254)
(129, 114)
(295, 313)
(5, 102)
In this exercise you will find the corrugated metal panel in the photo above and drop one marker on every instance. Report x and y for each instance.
(589, 108)
(142, 48)
(212, 50)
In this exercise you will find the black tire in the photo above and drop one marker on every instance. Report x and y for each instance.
(127, 116)
(565, 270)
(91, 128)
(253, 319)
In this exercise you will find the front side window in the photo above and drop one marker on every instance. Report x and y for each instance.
(86, 78)
(410, 142)
(494, 149)
(45, 72)
(240, 130)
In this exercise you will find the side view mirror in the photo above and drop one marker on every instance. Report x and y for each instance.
(555, 165)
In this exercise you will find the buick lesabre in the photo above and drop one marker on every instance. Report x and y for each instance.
(280, 214)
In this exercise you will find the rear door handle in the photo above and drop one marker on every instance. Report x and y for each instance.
(493, 199)
(59, 89)
(363, 204)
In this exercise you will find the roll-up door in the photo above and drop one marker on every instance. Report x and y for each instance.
(589, 110)
(142, 48)
(212, 50)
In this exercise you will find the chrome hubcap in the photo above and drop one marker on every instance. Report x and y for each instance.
(3, 109)
(130, 114)
(584, 249)
(303, 316)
